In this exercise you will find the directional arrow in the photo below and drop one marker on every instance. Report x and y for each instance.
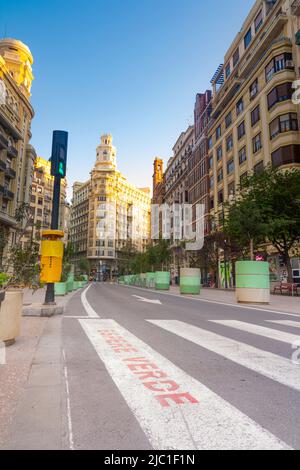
(150, 301)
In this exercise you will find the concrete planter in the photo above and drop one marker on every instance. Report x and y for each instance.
(252, 282)
(60, 288)
(76, 285)
(190, 280)
(150, 280)
(69, 286)
(162, 280)
(10, 316)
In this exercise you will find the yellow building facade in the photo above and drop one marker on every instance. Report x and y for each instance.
(254, 121)
(42, 196)
(16, 154)
(118, 212)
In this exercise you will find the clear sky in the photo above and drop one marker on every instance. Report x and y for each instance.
(128, 67)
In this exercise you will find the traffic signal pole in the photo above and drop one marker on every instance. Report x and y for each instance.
(58, 170)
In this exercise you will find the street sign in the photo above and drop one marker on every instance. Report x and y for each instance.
(59, 154)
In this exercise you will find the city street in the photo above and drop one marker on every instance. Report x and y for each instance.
(128, 368)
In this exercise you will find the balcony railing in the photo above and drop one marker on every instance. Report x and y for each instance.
(3, 142)
(2, 165)
(12, 151)
(10, 173)
(7, 194)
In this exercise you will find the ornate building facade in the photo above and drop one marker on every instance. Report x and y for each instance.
(16, 155)
(117, 212)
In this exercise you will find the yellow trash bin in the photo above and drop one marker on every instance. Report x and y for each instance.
(52, 251)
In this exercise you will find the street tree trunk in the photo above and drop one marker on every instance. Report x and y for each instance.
(251, 249)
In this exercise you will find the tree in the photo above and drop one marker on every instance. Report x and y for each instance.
(244, 224)
(275, 195)
(84, 265)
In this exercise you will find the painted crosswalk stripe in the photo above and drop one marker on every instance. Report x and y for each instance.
(263, 362)
(270, 333)
(291, 323)
(174, 410)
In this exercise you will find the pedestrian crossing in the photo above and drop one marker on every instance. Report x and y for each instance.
(293, 324)
(252, 328)
(175, 410)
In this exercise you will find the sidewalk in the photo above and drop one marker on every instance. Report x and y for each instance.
(31, 381)
(281, 303)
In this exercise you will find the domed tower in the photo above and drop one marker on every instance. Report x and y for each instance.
(106, 153)
(18, 60)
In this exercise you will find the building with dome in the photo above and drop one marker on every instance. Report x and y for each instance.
(108, 213)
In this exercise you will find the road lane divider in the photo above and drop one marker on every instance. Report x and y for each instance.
(267, 364)
(174, 410)
(87, 307)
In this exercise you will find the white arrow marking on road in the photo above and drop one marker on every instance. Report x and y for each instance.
(150, 301)
(174, 410)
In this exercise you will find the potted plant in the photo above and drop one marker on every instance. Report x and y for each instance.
(21, 270)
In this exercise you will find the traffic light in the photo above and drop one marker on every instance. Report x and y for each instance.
(59, 154)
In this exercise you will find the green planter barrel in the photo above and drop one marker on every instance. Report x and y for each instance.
(60, 288)
(150, 280)
(162, 280)
(252, 282)
(69, 286)
(143, 279)
(76, 285)
(190, 280)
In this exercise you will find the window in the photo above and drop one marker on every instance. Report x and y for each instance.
(240, 106)
(230, 166)
(228, 120)
(210, 162)
(256, 143)
(228, 71)
(220, 175)
(286, 155)
(242, 155)
(218, 132)
(210, 142)
(258, 21)
(253, 90)
(220, 197)
(40, 201)
(212, 203)
(236, 57)
(280, 93)
(241, 130)
(248, 38)
(219, 153)
(229, 143)
(255, 116)
(242, 178)
(259, 168)
(279, 63)
(231, 189)
(284, 123)
(211, 182)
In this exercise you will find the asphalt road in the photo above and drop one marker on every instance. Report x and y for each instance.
(146, 370)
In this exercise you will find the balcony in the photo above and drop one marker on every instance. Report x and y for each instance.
(3, 142)
(2, 165)
(12, 151)
(7, 194)
(262, 44)
(10, 173)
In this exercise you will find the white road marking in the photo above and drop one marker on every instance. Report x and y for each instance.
(69, 417)
(150, 301)
(186, 297)
(258, 330)
(192, 418)
(87, 307)
(294, 324)
(262, 362)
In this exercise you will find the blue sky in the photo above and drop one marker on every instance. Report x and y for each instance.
(128, 67)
